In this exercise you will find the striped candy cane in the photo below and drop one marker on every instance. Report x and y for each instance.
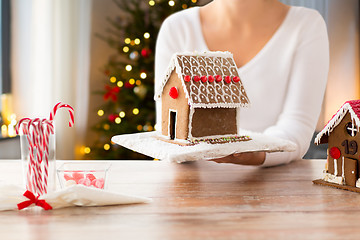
(23, 125)
(34, 133)
(63, 105)
(38, 132)
(48, 129)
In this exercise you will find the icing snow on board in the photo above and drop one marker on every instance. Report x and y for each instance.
(148, 144)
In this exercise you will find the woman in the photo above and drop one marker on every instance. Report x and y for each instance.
(282, 54)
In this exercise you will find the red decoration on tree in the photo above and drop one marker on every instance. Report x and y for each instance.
(227, 79)
(203, 79)
(236, 79)
(145, 52)
(218, 78)
(187, 78)
(211, 78)
(196, 78)
(111, 92)
(128, 85)
(335, 152)
(174, 93)
(112, 117)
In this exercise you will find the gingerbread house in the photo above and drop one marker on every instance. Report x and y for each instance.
(200, 95)
(342, 135)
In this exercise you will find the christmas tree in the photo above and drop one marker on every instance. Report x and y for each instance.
(128, 93)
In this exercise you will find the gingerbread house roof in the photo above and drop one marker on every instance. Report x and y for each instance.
(353, 107)
(209, 79)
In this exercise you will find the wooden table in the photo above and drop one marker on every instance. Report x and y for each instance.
(201, 200)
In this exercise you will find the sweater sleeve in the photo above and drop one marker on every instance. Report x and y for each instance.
(305, 94)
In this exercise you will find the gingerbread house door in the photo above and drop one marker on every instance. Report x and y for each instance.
(350, 171)
(172, 124)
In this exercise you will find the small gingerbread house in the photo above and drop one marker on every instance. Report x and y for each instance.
(343, 138)
(200, 94)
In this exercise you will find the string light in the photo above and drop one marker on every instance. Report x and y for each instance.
(132, 81)
(127, 40)
(122, 114)
(128, 68)
(143, 75)
(137, 41)
(117, 120)
(126, 49)
(194, 1)
(4, 130)
(184, 6)
(87, 150)
(138, 82)
(151, 3)
(139, 127)
(106, 126)
(136, 111)
(120, 84)
(132, 43)
(171, 3)
(113, 79)
(106, 146)
(146, 35)
(100, 112)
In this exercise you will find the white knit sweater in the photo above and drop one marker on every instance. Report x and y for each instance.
(285, 81)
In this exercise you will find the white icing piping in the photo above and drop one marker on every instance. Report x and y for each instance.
(220, 105)
(191, 114)
(215, 136)
(328, 177)
(171, 67)
(335, 167)
(336, 119)
(343, 168)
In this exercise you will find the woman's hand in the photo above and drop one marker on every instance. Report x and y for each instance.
(247, 158)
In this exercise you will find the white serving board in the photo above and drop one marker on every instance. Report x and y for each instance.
(147, 143)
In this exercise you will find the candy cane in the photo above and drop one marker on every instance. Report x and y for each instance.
(22, 121)
(49, 129)
(63, 105)
(37, 132)
(34, 132)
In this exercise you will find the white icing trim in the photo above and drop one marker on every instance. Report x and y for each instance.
(220, 105)
(343, 168)
(191, 114)
(335, 167)
(328, 177)
(357, 183)
(215, 136)
(336, 119)
(170, 68)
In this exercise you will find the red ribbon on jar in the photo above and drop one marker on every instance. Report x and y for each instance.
(33, 200)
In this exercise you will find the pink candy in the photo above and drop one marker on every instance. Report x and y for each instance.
(98, 183)
(85, 179)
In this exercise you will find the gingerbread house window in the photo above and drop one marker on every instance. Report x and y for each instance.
(351, 129)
